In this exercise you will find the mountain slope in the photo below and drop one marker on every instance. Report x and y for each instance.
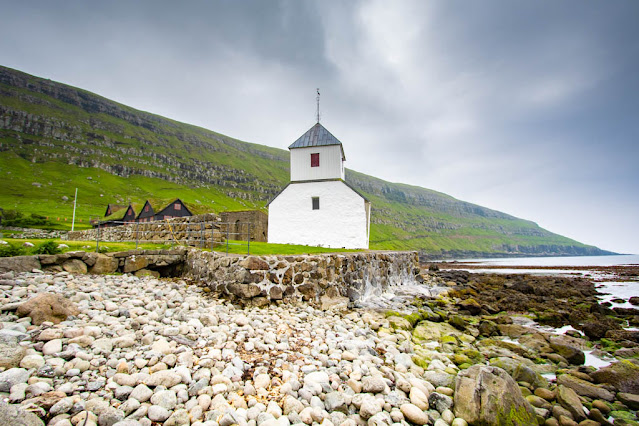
(54, 138)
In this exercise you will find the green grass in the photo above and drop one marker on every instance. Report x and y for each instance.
(235, 247)
(87, 246)
(260, 248)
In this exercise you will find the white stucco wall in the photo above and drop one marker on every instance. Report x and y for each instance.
(341, 220)
(331, 165)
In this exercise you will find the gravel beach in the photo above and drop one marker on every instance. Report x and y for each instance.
(156, 351)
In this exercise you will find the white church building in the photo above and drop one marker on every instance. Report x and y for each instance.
(317, 207)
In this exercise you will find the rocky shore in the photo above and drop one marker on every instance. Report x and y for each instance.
(126, 350)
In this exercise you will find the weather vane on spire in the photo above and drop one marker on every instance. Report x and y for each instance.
(318, 111)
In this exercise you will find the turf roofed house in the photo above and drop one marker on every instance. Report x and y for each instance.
(175, 209)
(317, 207)
(147, 213)
(115, 215)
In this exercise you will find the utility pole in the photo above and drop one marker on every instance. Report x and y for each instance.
(75, 200)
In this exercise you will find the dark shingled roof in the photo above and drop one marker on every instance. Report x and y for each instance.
(315, 136)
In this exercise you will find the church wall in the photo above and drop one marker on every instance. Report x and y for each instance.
(341, 220)
(330, 163)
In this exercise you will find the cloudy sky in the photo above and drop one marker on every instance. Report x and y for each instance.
(528, 107)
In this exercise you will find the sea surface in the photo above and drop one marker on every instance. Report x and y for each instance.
(622, 259)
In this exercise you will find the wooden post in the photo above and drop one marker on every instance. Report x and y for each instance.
(137, 234)
(248, 239)
(201, 234)
(97, 239)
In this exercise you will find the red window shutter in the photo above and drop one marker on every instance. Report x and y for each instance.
(315, 160)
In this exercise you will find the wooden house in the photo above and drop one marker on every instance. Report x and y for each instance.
(119, 217)
(112, 208)
(147, 214)
(176, 208)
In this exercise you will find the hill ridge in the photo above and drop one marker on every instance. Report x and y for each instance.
(117, 153)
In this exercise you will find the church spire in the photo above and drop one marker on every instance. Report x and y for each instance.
(318, 110)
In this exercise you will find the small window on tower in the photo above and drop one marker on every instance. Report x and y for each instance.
(315, 203)
(315, 160)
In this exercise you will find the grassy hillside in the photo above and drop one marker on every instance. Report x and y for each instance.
(55, 138)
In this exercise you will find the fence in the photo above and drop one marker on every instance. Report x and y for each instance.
(202, 234)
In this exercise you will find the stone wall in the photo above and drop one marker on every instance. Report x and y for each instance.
(237, 223)
(320, 278)
(154, 262)
(253, 280)
(190, 230)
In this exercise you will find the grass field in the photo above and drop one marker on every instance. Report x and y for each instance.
(234, 247)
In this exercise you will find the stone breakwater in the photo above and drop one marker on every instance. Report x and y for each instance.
(334, 278)
(143, 351)
(326, 277)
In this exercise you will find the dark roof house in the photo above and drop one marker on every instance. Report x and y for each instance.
(119, 216)
(146, 213)
(112, 208)
(176, 208)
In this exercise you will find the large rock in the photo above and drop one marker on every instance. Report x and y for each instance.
(414, 414)
(75, 266)
(623, 375)
(15, 415)
(255, 264)
(572, 354)
(427, 331)
(489, 396)
(569, 399)
(11, 353)
(585, 388)
(399, 323)
(13, 376)
(244, 291)
(104, 265)
(135, 263)
(19, 263)
(47, 307)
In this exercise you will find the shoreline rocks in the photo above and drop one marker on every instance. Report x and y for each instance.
(143, 351)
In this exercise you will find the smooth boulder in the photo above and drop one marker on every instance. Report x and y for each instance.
(487, 395)
(47, 307)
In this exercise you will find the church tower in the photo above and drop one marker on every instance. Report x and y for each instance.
(317, 207)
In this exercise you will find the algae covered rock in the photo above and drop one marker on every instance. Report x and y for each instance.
(433, 331)
(569, 400)
(489, 396)
(584, 388)
(399, 323)
(573, 355)
(623, 375)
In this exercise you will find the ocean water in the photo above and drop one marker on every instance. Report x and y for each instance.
(578, 263)
(626, 259)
